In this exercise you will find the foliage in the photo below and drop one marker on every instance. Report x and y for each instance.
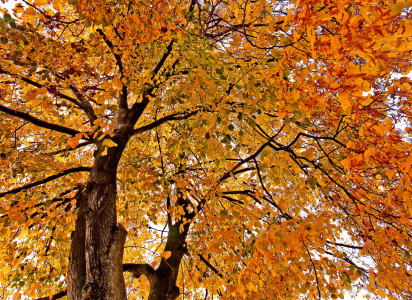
(278, 130)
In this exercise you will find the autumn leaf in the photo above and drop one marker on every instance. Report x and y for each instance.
(109, 143)
(166, 254)
(266, 145)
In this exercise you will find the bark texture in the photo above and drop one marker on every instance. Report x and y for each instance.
(96, 256)
(76, 273)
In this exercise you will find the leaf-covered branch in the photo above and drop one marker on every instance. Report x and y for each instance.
(45, 180)
(173, 117)
(38, 122)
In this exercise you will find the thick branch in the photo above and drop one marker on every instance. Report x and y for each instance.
(84, 104)
(141, 269)
(45, 180)
(111, 47)
(38, 122)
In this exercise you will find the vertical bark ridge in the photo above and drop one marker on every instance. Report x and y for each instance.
(76, 273)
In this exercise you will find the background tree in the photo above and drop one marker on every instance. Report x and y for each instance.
(205, 149)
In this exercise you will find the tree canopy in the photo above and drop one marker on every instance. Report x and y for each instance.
(206, 149)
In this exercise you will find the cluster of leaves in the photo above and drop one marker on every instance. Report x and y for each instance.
(284, 124)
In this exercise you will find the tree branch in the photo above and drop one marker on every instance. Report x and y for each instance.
(141, 269)
(38, 122)
(164, 120)
(45, 180)
(84, 104)
(344, 245)
(162, 60)
(38, 85)
(68, 149)
(54, 297)
(122, 101)
(210, 266)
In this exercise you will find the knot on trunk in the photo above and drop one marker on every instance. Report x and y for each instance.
(90, 291)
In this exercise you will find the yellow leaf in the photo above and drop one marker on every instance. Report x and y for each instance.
(386, 47)
(153, 264)
(104, 153)
(166, 254)
(367, 101)
(6, 270)
(42, 91)
(109, 143)
(396, 9)
(309, 153)
(369, 153)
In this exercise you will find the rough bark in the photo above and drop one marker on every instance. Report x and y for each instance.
(96, 256)
(76, 273)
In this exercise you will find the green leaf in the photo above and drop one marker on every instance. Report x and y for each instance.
(223, 213)
(7, 18)
(312, 181)
(88, 23)
(4, 40)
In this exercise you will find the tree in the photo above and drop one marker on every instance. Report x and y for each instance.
(206, 149)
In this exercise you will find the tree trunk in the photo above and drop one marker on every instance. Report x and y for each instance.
(163, 287)
(76, 273)
(96, 256)
(104, 238)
